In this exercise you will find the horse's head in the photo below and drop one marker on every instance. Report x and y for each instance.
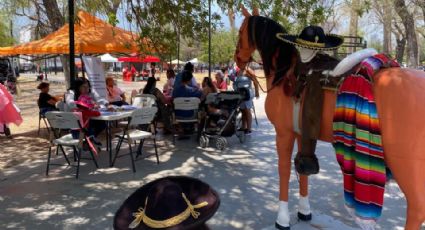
(244, 48)
(259, 33)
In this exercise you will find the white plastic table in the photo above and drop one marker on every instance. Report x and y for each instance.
(109, 118)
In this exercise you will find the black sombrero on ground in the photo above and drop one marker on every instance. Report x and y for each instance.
(176, 202)
(313, 37)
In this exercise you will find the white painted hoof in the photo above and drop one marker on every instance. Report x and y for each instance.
(304, 211)
(282, 221)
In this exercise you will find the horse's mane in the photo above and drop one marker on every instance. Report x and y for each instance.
(262, 34)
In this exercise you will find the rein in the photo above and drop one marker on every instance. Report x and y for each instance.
(255, 78)
(251, 59)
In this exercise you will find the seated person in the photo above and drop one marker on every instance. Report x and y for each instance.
(168, 87)
(162, 102)
(46, 102)
(88, 107)
(208, 87)
(219, 82)
(178, 81)
(185, 90)
(115, 95)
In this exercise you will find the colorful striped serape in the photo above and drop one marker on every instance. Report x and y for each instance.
(358, 143)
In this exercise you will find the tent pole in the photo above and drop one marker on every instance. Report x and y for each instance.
(178, 51)
(209, 38)
(71, 42)
(45, 68)
(82, 66)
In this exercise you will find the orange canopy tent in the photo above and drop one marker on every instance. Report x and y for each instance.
(92, 36)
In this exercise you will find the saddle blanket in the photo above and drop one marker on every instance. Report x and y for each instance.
(358, 143)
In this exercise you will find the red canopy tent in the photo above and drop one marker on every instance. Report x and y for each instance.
(145, 59)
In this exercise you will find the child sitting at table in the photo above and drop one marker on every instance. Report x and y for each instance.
(46, 102)
(88, 107)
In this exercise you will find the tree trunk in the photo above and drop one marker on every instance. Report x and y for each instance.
(387, 18)
(57, 20)
(112, 6)
(53, 13)
(401, 44)
(409, 25)
(354, 20)
(65, 66)
(231, 15)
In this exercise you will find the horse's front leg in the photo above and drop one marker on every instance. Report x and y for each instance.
(285, 144)
(304, 211)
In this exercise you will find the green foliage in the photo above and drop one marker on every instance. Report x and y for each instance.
(162, 21)
(363, 7)
(5, 38)
(294, 15)
(375, 43)
(223, 44)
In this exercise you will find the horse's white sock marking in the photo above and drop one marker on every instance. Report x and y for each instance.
(283, 214)
(304, 205)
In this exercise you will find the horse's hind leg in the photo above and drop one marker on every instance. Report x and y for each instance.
(410, 176)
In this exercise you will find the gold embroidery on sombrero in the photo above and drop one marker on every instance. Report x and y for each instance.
(308, 43)
(140, 216)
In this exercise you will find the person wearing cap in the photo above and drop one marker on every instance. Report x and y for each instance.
(219, 82)
(178, 80)
(46, 102)
(313, 63)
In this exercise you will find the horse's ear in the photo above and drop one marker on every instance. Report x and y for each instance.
(255, 12)
(245, 11)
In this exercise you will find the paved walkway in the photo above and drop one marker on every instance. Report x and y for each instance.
(245, 175)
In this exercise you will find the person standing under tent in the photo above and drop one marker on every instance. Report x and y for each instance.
(9, 113)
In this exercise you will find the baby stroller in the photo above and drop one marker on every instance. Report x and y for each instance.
(222, 110)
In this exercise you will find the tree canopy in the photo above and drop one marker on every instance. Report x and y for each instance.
(6, 38)
(223, 44)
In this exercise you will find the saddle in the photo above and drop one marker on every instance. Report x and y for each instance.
(329, 70)
(323, 72)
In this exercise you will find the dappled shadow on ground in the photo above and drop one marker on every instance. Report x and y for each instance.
(245, 176)
(23, 148)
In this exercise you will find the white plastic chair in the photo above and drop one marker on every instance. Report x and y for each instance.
(143, 116)
(69, 101)
(144, 100)
(66, 120)
(185, 104)
(61, 106)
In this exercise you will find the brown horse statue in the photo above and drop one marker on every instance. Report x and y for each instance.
(400, 99)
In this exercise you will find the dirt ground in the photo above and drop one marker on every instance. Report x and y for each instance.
(27, 144)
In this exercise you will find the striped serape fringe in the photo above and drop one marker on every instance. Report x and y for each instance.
(358, 143)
